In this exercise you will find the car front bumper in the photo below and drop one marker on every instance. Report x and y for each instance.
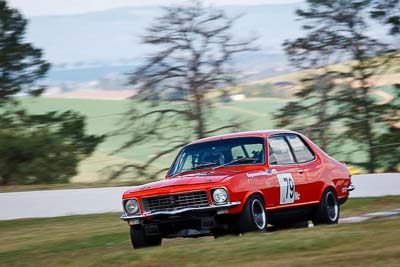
(350, 188)
(216, 208)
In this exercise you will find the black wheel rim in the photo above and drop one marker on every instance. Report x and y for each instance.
(258, 213)
(332, 207)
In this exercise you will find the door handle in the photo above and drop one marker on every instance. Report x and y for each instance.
(300, 170)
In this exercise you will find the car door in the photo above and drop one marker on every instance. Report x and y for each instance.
(310, 166)
(291, 182)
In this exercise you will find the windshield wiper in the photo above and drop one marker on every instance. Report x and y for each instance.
(235, 161)
(204, 165)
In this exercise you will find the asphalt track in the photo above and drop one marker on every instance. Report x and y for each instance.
(53, 203)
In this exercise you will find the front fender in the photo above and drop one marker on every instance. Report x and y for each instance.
(244, 199)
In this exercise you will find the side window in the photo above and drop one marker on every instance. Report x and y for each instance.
(301, 151)
(279, 151)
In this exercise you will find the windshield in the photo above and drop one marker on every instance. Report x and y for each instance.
(227, 152)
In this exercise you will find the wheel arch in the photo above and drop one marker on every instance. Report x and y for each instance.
(250, 194)
(326, 187)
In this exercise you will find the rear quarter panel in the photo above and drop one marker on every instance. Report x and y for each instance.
(325, 172)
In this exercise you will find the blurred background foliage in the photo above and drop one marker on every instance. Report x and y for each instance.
(341, 89)
(330, 98)
(34, 149)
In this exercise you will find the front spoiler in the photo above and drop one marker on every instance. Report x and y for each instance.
(126, 217)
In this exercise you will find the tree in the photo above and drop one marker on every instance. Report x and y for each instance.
(21, 64)
(388, 144)
(388, 12)
(335, 31)
(312, 115)
(46, 148)
(34, 149)
(194, 47)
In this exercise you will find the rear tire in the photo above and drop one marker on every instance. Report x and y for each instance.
(140, 240)
(253, 216)
(328, 210)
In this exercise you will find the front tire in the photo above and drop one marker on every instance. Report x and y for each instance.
(328, 210)
(140, 240)
(253, 216)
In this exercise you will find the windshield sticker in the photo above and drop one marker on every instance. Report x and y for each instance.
(256, 174)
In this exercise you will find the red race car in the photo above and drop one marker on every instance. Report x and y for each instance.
(237, 183)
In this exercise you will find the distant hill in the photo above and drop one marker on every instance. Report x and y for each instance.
(91, 46)
(114, 35)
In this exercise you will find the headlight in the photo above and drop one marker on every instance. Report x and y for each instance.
(131, 206)
(220, 196)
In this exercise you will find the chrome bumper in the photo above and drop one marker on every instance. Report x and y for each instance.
(350, 188)
(126, 217)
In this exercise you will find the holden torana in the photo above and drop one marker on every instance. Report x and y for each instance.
(237, 183)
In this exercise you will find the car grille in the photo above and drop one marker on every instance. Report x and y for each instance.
(192, 199)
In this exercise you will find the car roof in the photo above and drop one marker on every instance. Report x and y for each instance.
(259, 133)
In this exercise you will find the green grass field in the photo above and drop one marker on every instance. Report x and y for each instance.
(103, 240)
(255, 115)
(104, 116)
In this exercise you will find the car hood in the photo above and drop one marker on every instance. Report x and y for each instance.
(189, 179)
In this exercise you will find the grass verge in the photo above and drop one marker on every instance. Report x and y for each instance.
(360, 206)
(103, 240)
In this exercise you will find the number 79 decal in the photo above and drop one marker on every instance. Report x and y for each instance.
(287, 188)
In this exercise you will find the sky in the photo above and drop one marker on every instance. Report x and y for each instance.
(64, 7)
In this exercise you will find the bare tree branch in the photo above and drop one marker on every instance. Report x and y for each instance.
(195, 48)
